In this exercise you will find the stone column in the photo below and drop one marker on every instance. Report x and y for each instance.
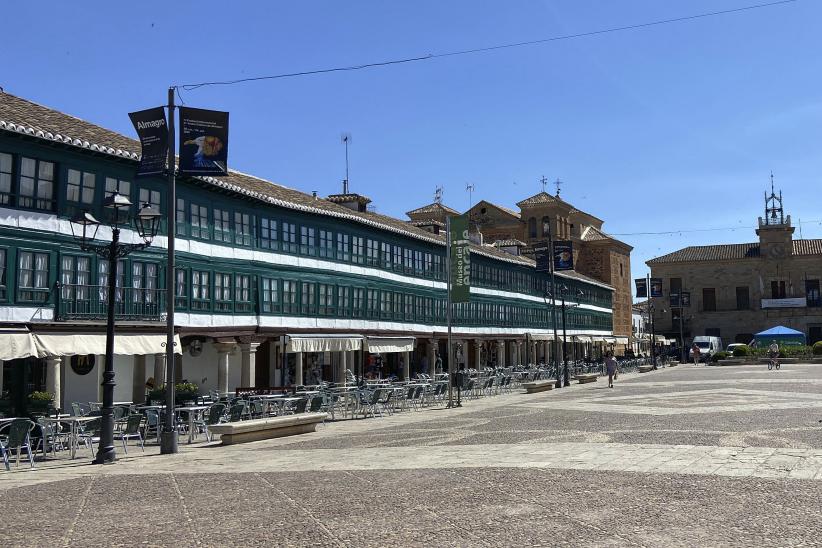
(275, 360)
(138, 380)
(341, 367)
(248, 371)
(478, 357)
(159, 370)
(298, 373)
(519, 353)
(1, 375)
(53, 378)
(406, 368)
(223, 361)
(500, 353)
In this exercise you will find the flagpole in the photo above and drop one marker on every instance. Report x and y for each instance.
(168, 439)
(448, 311)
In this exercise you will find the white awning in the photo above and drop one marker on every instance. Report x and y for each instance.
(582, 338)
(323, 343)
(125, 344)
(598, 339)
(610, 340)
(15, 343)
(541, 337)
(622, 340)
(381, 345)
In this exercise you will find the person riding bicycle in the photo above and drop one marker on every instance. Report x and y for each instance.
(773, 352)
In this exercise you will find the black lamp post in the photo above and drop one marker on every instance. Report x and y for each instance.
(146, 223)
(563, 290)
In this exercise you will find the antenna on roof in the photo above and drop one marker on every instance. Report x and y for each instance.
(438, 195)
(345, 138)
(470, 188)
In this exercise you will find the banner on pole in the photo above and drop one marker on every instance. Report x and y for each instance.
(203, 142)
(460, 260)
(641, 288)
(656, 287)
(152, 131)
(542, 255)
(563, 255)
(674, 299)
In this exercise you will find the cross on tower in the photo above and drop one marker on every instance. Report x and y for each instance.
(438, 195)
(543, 181)
(558, 184)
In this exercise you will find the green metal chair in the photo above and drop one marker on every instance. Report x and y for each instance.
(131, 431)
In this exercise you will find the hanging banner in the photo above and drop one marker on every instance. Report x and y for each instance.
(460, 260)
(641, 288)
(542, 256)
(656, 287)
(563, 255)
(152, 132)
(203, 142)
(674, 299)
(685, 299)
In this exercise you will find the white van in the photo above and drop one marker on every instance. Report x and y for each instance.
(708, 346)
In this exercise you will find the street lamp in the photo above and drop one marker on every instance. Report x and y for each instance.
(84, 228)
(563, 291)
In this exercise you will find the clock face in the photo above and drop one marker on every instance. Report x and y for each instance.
(777, 251)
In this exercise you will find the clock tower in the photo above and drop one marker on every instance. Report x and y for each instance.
(775, 231)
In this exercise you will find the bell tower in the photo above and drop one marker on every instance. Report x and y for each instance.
(775, 231)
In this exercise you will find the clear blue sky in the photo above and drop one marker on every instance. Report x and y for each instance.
(665, 128)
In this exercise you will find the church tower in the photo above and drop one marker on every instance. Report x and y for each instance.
(775, 231)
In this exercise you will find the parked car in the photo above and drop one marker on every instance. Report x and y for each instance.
(730, 349)
(708, 346)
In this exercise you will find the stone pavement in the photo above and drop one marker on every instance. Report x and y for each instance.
(688, 456)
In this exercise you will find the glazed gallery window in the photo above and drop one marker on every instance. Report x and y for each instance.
(357, 249)
(150, 197)
(200, 296)
(242, 228)
(372, 252)
(222, 292)
(80, 187)
(343, 247)
(36, 184)
(199, 222)
(119, 186)
(271, 295)
(289, 233)
(32, 276)
(102, 280)
(326, 299)
(326, 244)
(268, 234)
(308, 299)
(308, 240)
(180, 288)
(75, 277)
(222, 225)
(180, 217)
(242, 292)
(144, 282)
(5, 177)
(289, 297)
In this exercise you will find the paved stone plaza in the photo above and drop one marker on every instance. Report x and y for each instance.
(688, 456)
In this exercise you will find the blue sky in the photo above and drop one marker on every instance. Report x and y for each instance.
(675, 127)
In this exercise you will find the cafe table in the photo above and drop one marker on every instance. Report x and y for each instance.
(192, 410)
(74, 428)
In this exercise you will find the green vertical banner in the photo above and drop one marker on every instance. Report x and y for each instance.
(460, 260)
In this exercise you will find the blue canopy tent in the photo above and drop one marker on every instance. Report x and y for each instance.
(783, 336)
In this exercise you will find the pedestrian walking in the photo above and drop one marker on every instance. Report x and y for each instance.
(610, 367)
(695, 351)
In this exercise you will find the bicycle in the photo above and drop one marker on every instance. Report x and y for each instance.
(773, 362)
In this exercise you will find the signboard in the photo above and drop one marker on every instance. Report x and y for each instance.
(686, 299)
(563, 255)
(203, 142)
(799, 302)
(542, 256)
(152, 132)
(641, 288)
(674, 299)
(460, 260)
(656, 287)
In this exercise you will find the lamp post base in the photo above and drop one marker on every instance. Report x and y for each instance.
(168, 442)
(105, 455)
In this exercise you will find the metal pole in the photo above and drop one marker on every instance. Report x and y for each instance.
(651, 319)
(564, 342)
(555, 342)
(448, 310)
(105, 449)
(168, 440)
(681, 327)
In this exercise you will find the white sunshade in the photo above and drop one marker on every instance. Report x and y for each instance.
(542, 337)
(16, 343)
(125, 344)
(622, 340)
(382, 345)
(582, 338)
(323, 343)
